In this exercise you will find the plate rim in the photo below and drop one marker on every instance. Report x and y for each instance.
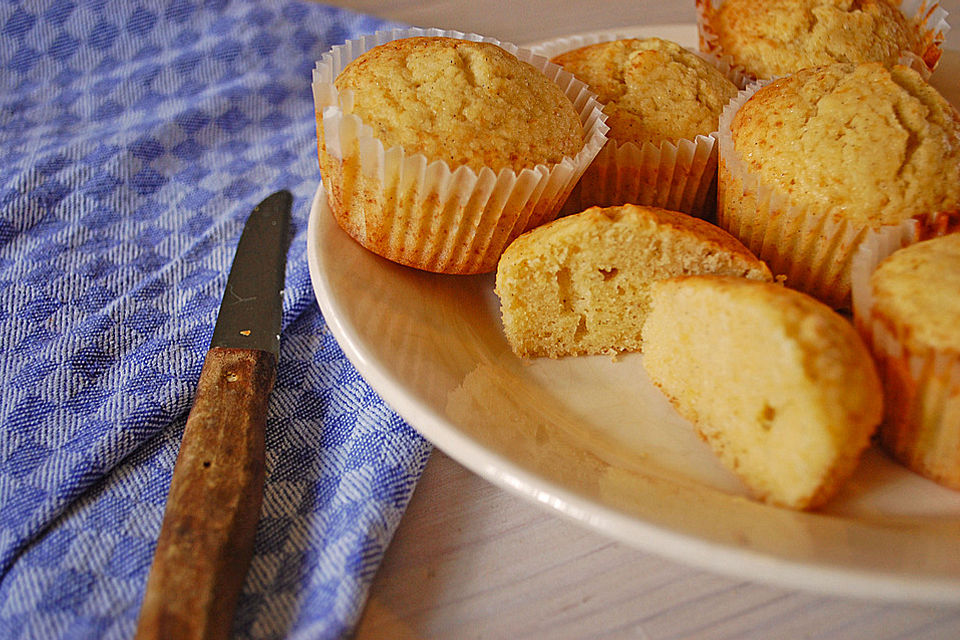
(684, 548)
(635, 533)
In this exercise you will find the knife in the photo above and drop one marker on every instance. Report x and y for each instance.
(206, 539)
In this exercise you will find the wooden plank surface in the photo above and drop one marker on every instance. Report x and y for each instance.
(472, 561)
(528, 21)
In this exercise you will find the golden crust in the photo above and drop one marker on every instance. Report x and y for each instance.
(874, 145)
(463, 102)
(652, 89)
(438, 151)
(771, 38)
(915, 294)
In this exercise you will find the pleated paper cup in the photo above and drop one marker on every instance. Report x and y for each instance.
(680, 176)
(813, 250)
(929, 16)
(424, 213)
(921, 425)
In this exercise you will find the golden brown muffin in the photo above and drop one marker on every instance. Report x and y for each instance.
(652, 89)
(654, 92)
(909, 314)
(779, 385)
(812, 161)
(771, 38)
(463, 102)
(436, 151)
(581, 284)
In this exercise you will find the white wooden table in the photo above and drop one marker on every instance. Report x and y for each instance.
(473, 561)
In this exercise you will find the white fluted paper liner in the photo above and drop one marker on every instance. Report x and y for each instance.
(876, 246)
(428, 215)
(811, 249)
(677, 176)
(921, 426)
(928, 15)
(673, 176)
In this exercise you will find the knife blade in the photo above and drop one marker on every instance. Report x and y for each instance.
(206, 539)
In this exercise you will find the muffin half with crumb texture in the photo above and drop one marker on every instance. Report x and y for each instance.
(780, 385)
(436, 151)
(581, 285)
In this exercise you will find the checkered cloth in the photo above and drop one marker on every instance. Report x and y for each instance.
(136, 136)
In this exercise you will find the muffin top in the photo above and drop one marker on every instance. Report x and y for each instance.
(466, 103)
(653, 90)
(772, 38)
(917, 290)
(674, 226)
(872, 144)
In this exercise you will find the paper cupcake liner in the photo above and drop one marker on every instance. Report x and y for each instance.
(929, 15)
(811, 249)
(425, 214)
(921, 426)
(680, 176)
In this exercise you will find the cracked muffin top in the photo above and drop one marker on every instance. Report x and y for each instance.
(876, 145)
(467, 103)
(652, 89)
(772, 38)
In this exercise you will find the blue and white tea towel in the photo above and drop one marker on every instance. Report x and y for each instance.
(135, 138)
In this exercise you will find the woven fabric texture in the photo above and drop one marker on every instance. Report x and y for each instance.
(137, 136)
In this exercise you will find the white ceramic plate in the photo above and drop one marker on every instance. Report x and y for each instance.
(594, 440)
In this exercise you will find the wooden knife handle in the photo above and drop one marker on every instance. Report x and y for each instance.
(206, 540)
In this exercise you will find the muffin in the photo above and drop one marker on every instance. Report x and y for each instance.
(581, 284)
(810, 162)
(436, 151)
(778, 384)
(907, 307)
(662, 102)
(772, 38)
